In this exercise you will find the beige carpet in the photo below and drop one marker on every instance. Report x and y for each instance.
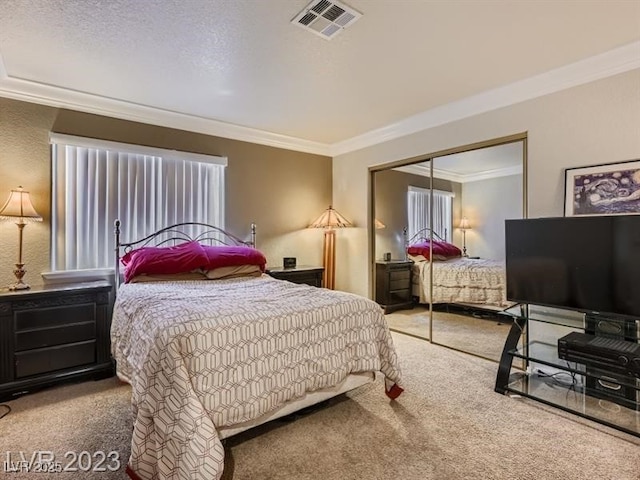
(449, 424)
(479, 336)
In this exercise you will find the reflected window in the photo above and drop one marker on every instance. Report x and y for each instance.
(418, 208)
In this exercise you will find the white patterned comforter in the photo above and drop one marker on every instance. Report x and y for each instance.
(463, 280)
(206, 354)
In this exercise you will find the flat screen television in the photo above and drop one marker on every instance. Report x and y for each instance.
(590, 264)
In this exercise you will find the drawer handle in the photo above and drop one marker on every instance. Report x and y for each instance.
(609, 383)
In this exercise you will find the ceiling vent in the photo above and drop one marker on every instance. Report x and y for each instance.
(326, 18)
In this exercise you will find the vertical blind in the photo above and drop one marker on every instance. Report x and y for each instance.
(419, 211)
(97, 182)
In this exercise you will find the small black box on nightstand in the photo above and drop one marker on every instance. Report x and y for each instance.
(289, 262)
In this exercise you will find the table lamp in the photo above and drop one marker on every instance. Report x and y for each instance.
(464, 226)
(19, 209)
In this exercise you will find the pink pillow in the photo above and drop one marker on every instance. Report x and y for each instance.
(232, 256)
(164, 260)
(441, 250)
(446, 249)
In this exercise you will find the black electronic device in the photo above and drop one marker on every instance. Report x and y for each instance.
(614, 386)
(588, 263)
(289, 262)
(608, 354)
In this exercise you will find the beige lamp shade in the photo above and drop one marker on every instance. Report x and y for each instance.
(464, 224)
(330, 218)
(19, 207)
(378, 224)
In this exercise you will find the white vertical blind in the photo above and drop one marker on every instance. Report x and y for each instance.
(419, 211)
(95, 183)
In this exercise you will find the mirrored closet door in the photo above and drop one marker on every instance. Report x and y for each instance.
(457, 286)
(391, 207)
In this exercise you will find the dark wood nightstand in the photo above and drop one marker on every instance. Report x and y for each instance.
(393, 285)
(309, 275)
(52, 334)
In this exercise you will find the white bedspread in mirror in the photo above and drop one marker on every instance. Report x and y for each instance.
(461, 280)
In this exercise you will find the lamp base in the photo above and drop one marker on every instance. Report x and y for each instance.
(464, 243)
(329, 259)
(19, 273)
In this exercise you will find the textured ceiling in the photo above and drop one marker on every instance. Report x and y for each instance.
(242, 62)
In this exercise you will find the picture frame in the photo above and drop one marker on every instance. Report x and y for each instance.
(604, 189)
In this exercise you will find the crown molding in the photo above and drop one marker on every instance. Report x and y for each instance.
(35, 92)
(607, 64)
(613, 62)
(423, 171)
(461, 178)
(488, 174)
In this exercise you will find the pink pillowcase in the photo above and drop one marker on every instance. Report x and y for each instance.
(187, 257)
(164, 260)
(440, 249)
(231, 256)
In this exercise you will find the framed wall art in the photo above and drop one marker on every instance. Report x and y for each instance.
(606, 189)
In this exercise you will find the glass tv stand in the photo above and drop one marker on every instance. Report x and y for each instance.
(533, 368)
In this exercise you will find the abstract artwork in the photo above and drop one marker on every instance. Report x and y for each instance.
(608, 189)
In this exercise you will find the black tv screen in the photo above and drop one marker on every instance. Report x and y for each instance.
(590, 264)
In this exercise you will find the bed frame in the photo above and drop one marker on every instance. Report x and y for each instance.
(354, 380)
(175, 233)
(423, 235)
(217, 236)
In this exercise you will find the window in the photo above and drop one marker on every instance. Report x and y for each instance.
(418, 208)
(96, 182)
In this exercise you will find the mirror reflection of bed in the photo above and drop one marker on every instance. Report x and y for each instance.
(484, 186)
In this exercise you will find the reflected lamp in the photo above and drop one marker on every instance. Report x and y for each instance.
(464, 226)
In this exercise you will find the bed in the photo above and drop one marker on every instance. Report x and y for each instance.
(456, 279)
(212, 355)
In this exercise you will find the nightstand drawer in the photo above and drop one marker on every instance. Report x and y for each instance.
(403, 274)
(403, 283)
(50, 359)
(395, 275)
(399, 296)
(48, 337)
(301, 277)
(52, 316)
(304, 275)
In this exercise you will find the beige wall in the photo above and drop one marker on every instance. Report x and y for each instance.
(282, 191)
(25, 160)
(594, 123)
(486, 204)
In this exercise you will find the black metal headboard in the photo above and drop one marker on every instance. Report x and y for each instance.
(423, 235)
(176, 233)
